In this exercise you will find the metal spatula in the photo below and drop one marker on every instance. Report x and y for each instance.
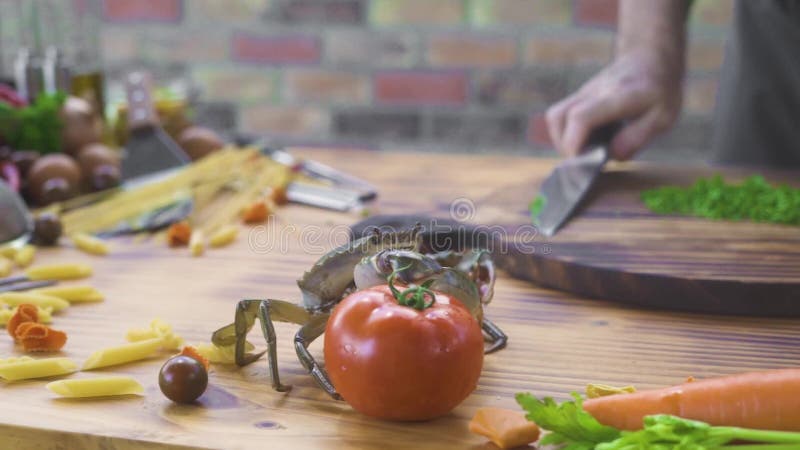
(149, 148)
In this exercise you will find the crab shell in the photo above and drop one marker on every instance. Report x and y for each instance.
(330, 278)
(466, 281)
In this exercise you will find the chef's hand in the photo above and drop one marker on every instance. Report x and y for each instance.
(642, 87)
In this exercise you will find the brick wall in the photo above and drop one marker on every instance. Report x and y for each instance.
(444, 75)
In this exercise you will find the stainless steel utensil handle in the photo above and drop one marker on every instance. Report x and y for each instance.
(141, 111)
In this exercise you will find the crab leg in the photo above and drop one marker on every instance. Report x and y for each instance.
(304, 337)
(496, 338)
(267, 311)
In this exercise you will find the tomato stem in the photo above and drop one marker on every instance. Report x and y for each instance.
(415, 296)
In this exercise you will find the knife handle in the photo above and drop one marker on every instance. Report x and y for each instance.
(604, 134)
(141, 111)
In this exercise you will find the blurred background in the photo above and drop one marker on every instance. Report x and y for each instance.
(430, 75)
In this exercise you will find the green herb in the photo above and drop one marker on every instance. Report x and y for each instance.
(568, 423)
(536, 206)
(575, 429)
(754, 199)
(34, 127)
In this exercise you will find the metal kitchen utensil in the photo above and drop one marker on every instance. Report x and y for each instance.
(16, 224)
(569, 182)
(149, 148)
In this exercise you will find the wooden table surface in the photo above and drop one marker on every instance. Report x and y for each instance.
(557, 343)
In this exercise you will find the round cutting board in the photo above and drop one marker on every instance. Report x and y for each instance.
(616, 249)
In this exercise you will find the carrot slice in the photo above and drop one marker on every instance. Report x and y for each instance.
(178, 234)
(25, 313)
(36, 337)
(256, 212)
(768, 400)
(192, 352)
(504, 427)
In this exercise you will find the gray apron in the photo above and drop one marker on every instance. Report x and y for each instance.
(757, 117)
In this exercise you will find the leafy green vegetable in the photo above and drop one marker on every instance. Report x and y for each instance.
(665, 432)
(575, 429)
(568, 423)
(536, 206)
(753, 199)
(34, 127)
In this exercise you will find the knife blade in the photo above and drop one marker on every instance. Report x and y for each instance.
(565, 187)
(149, 148)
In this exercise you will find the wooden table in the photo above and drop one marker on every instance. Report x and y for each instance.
(558, 343)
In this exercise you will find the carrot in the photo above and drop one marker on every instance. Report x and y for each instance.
(25, 313)
(257, 212)
(768, 400)
(506, 428)
(178, 234)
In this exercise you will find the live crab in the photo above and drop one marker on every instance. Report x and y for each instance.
(467, 275)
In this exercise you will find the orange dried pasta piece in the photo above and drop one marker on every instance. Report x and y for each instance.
(36, 337)
(257, 212)
(192, 352)
(178, 234)
(26, 313)
(506, 428)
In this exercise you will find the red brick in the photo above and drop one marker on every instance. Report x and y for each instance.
(406, 87)
(592, 48)
(472, 51)
(346, 47)
(169, 11)
(596, 12)
(700, 95)
(537, 130)
(535, 87)
(417, 12)
(325, 86)
(293, 49)
(285, 120)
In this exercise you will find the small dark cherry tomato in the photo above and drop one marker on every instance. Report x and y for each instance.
(46, 229)
(396, 362)
(183, 379)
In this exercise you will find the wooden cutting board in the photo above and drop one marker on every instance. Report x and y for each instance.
(615, 248)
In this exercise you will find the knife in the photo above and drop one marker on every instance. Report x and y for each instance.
(565, 187)
(149, 148)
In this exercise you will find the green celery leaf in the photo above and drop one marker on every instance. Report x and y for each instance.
(567, 422)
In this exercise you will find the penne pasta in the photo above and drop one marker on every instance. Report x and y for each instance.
(40, 300)
(24, 256)
(5, 266)
(8, 251)
(44, 314)
(221, 355)
(96, 387)
(224, 236)
(13, 369)
(122, 354)
(158, 329)
(197, 243)
(72, 294)
(59, 272)
(90, 244)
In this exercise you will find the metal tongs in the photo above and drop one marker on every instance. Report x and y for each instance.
(338, 191)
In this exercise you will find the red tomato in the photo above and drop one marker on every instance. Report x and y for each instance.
(396, 362)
